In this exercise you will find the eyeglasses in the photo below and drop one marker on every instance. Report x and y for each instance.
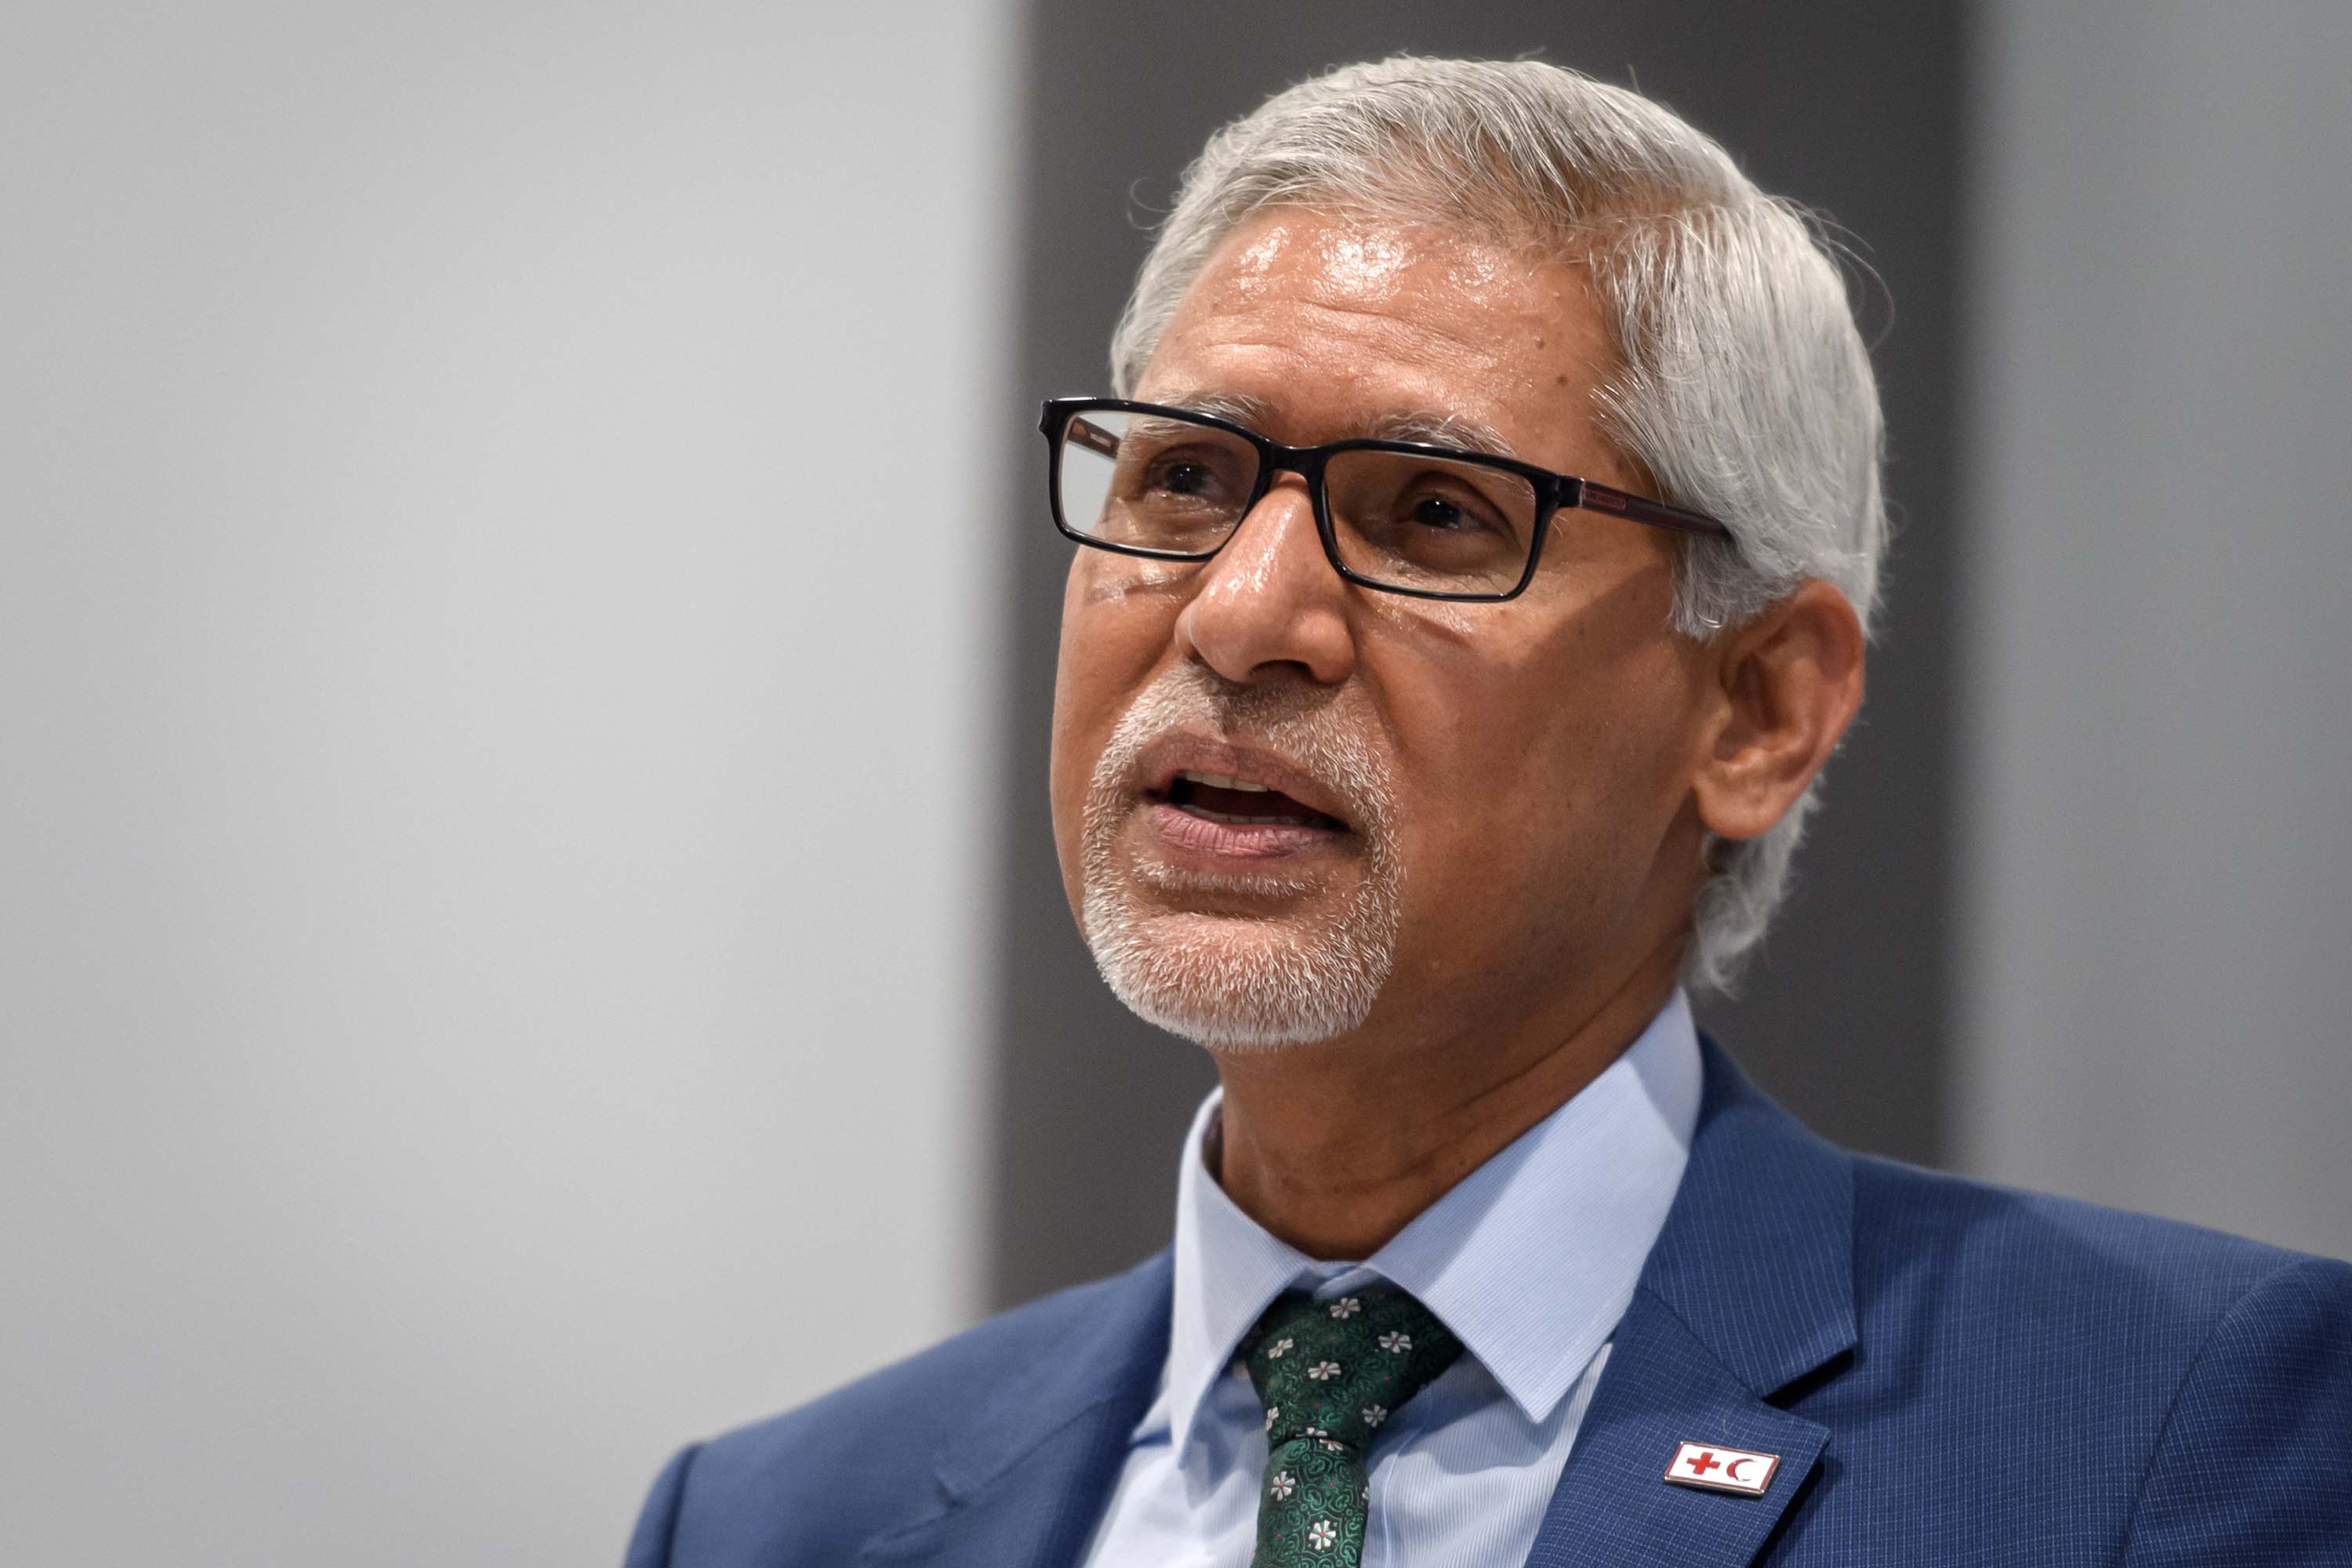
(1435, 522)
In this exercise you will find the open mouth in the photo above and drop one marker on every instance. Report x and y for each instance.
(1216, 797)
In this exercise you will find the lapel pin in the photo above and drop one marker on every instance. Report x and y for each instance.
(1719, 1470)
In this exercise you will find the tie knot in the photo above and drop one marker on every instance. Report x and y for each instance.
(1330, 1372)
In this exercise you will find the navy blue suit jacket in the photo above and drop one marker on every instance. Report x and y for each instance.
(1950, 1372)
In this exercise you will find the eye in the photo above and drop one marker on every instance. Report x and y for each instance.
(1446, 510)
(1182, 479)
(1438, 512)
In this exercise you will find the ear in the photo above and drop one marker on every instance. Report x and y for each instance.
(1789, 683)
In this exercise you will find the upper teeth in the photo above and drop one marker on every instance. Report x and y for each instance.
(1220, 781)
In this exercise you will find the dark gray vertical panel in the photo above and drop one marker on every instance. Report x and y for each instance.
(1836, 105)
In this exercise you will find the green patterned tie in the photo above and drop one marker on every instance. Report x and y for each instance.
(1328, 1374)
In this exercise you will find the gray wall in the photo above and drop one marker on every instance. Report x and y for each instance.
(2157, 954)
(490, 804)
(1852, 107)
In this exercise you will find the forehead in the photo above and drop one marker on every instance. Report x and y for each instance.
(1336, 325)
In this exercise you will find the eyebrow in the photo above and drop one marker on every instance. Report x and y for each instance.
(1238, 407)
(1430, 429)
(1442, 430)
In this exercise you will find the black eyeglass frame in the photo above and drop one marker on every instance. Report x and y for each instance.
(1554, 492)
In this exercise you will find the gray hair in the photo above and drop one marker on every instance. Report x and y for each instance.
(1743, 389)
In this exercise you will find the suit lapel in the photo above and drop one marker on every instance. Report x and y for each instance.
(1662, 1389)
(1749, 1288)
(1028, 1478)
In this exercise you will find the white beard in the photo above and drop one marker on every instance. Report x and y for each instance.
(1230, 981)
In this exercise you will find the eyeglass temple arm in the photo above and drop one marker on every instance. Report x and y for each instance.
(1641, 509)
(1091, 435)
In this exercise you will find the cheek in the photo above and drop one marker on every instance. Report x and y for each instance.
(1477, 793)
(1532, 817)
(1112, 643)
(1490, 803)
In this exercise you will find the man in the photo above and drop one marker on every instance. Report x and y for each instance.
(1474, 581)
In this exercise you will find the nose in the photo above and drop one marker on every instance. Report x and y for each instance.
(1270, 602)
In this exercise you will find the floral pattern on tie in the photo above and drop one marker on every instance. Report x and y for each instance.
(1330, 1373)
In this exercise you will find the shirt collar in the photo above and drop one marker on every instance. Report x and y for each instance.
(1530, 1260)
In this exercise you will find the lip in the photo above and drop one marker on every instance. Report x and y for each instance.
(1181, 752)
(1181, 836)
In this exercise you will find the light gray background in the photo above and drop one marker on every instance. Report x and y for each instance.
(502, 960)
(493, 765)
(2158, 864)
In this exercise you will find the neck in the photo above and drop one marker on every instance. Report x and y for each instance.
(1336, 1147)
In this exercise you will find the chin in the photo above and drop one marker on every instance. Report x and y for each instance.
(1238, 984)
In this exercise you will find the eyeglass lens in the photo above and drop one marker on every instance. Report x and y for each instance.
(1147, 481)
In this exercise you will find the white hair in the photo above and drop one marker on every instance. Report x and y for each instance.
(1743, 387)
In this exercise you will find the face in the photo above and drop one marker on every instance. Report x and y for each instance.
(1290, 809)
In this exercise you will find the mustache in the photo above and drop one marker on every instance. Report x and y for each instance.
(1328, 732)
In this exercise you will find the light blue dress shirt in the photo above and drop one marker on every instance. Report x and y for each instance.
(1530, 1260)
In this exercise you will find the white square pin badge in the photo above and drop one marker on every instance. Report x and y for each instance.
(1715, 1468)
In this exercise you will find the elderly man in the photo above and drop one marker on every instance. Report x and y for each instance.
(1474, 579)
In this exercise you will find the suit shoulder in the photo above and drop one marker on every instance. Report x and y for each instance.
(918, 1401)
(2050, 1262)
(813, 1485)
